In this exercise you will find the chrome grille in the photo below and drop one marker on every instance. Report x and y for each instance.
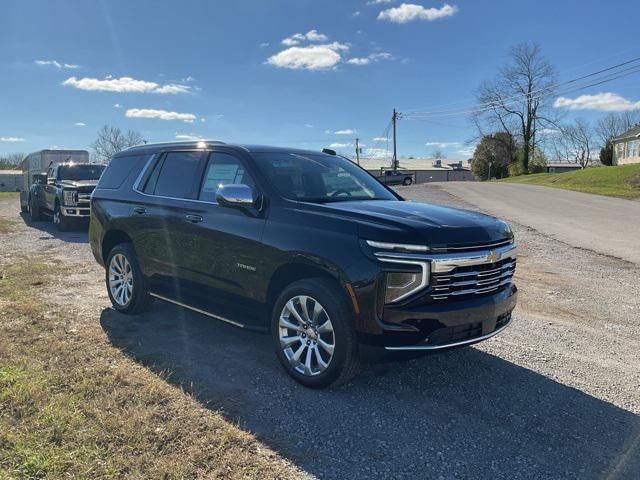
(473, 280)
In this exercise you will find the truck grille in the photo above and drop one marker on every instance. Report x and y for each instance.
(472, 281)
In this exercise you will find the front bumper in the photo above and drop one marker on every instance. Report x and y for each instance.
(436, 326)
(76, 211)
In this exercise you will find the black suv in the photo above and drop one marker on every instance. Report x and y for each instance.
(303, 244)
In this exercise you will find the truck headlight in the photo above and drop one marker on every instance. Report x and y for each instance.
(69, 197)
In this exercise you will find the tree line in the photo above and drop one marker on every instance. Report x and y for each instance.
(518, 127)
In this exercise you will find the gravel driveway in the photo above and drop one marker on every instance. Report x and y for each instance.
(557, 395)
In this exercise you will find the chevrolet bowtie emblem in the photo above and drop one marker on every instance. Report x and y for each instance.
(493, 256)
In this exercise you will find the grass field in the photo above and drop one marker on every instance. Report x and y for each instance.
(8, 194)
(73, 406)
(623, 181)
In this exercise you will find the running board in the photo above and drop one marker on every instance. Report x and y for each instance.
(198, 310)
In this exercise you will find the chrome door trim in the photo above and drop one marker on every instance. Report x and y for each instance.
(198, 310)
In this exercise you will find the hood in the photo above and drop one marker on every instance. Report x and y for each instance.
(78, 183)
(420, 223)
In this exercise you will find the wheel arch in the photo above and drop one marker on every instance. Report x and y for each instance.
(111, 239)
(291, 272)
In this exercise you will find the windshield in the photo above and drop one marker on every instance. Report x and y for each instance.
(319, 178)
(80, 172)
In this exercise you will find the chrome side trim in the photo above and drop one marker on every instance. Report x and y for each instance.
(424, 281)
(449, 345)
(198, 310)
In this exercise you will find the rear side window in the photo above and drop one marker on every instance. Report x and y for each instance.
(119, 169)
(177, 175)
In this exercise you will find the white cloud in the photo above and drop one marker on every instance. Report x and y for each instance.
(80, 124)
(408, 12)
(124, 84)
(374, 57)
(380, 139)
(159, 114)
(312, 57)
(378, 2)
(376, 153)
(442, 144)
(117, 105)
(339, 145)
(188, 136)
(264, 44)
(311, 35)
(11, 139)
(607, 101)
(468, 151)
(346, 131)
(356, 13)
(55, 63)
(308, 125)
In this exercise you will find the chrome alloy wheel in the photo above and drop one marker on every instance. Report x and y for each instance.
(306, 335)
(120, 279)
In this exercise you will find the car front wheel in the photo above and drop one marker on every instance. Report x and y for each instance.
(407, 181)
(313, 332)
(62, 222)
(126, 284)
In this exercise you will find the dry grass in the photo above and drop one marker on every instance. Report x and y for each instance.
(6, 224)
(71, 405)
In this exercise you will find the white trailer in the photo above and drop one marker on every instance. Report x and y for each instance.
(38, 162)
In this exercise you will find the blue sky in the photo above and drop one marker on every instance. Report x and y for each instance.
(291, 72)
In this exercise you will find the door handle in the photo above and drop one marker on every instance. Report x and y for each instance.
(140, 210)
(193, 218)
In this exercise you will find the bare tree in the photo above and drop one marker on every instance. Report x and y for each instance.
(519, 99)
(576, 143)
(11, 160)
(615, 124)
(438, 155)
(112, 140)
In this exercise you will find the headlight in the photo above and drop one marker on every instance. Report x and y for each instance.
(397, 246)
(400, 284)
(69, 197)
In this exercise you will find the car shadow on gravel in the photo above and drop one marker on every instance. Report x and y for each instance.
(463, 413)
(78, 234)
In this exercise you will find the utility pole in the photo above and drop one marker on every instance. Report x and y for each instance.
(357, 151)
(394, 163)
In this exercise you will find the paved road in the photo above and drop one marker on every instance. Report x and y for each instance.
(610, 226)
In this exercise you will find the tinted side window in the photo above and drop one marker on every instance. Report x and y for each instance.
(119, 169)
(223, 169)
(178, 174)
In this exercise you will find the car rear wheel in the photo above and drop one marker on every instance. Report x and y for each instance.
(313, 333)
(34, 210)
(126, 284)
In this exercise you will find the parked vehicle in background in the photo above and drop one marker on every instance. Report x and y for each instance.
(39, 162)
(64, 193)
(305, 244)
(396, 177)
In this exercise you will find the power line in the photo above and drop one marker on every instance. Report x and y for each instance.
(536, 94)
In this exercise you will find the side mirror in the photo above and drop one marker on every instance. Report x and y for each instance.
(237, 195)
(40, 178)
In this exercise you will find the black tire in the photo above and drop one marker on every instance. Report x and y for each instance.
(34, 209)
(23, 208)
(345, 362)
(140, 299)
(62, 222)
(407, 181)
